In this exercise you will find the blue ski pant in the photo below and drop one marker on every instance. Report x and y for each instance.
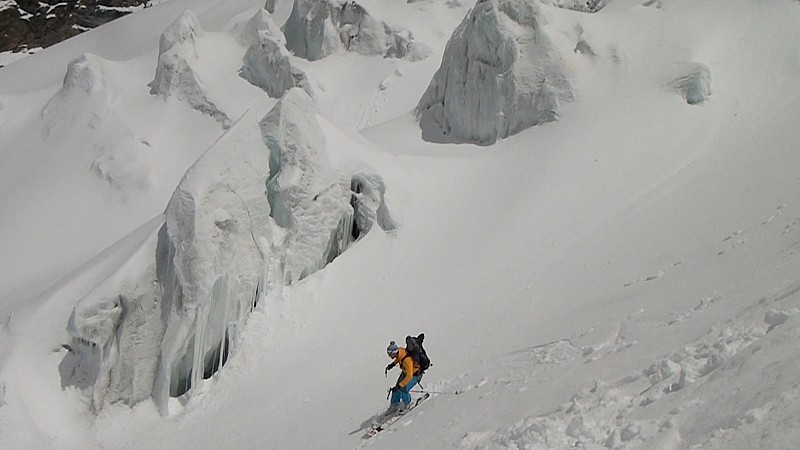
(403, 394)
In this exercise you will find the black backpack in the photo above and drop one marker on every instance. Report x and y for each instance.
(417, 353)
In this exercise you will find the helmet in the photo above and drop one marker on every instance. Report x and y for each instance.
(392, 349)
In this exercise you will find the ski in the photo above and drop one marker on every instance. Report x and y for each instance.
(387, 422)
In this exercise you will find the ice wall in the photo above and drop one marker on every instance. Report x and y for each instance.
(318, 28)
(163, 329)
(212, 269)
(307, 195)
(247, 33)
(173, 314)
(500, 75)
(81, 115)
(176, 75)
(116, 332)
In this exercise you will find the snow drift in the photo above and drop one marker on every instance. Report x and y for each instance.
(500, 74)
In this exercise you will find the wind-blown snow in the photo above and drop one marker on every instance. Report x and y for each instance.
(623, 277)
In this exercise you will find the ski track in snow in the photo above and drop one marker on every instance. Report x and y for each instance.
(614, 413)
(734, 240)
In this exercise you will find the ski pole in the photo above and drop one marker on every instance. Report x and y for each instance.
(436, 392)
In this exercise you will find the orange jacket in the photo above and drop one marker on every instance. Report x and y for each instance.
(408, 366)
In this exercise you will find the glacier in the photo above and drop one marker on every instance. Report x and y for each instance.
(500, 74)
(224, 246)
(318, 28)
(176, 74)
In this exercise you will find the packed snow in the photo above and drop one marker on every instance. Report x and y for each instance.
(218, 214)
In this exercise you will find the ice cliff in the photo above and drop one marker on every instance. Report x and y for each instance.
(318, 28)
(176, 75)
(224, 246)
(499, 75)
(693, 83)
(268, 65)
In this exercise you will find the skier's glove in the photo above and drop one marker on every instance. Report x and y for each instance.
(388, 368)
(395, 388)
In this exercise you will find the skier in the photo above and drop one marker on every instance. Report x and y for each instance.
(401, 397)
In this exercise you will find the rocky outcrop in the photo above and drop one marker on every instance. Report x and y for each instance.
(30, 24)
(500, 75)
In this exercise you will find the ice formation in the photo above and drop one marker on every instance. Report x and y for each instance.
(176, 324)
(268, 65)
(318, 28)
(577, 5)
(500, 75)
(694, 84)
(176, 74)
(223, 247)
(360, 32)
(83, 111)
(84, 99)
(307, 196)
(247, 33)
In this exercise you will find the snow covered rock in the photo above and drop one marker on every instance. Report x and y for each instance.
(268, 65)
(499, 75)
(694, 83)
(318, 28)
(176, 74)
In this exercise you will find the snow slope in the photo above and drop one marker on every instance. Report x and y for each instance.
(624, 277)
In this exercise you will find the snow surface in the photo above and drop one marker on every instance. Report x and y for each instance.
(623, 277)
